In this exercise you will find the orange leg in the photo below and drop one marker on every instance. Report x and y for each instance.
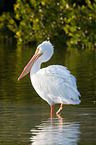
(52, 110)
(61, 107)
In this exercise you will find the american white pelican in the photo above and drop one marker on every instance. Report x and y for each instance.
(54, 83)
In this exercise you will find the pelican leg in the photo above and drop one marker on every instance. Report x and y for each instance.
(61, 107)
(52, 110)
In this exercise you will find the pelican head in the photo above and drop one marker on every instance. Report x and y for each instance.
(43, 53)
(46, 49)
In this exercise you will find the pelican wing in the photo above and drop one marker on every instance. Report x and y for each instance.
(55, 84)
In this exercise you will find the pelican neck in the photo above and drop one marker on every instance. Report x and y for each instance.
(36, 67)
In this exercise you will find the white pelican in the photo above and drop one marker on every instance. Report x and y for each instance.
(54, 83)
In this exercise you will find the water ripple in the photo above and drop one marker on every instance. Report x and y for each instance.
(56, 131)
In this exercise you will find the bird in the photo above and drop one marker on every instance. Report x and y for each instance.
(55, 84)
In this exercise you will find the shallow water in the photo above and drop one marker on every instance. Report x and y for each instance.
(25, 117)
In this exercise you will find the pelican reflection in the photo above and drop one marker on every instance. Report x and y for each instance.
(56, 131)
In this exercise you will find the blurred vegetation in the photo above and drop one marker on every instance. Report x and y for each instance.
(70, 22)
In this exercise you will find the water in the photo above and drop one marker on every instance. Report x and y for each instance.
(25, 117)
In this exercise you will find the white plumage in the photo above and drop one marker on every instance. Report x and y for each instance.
(54, 84)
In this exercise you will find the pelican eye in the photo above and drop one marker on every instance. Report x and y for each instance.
(37, 51)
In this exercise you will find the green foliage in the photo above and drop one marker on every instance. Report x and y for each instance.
(80, 25)
(37, 20)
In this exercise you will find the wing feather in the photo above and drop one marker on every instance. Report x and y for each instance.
(56, 84)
